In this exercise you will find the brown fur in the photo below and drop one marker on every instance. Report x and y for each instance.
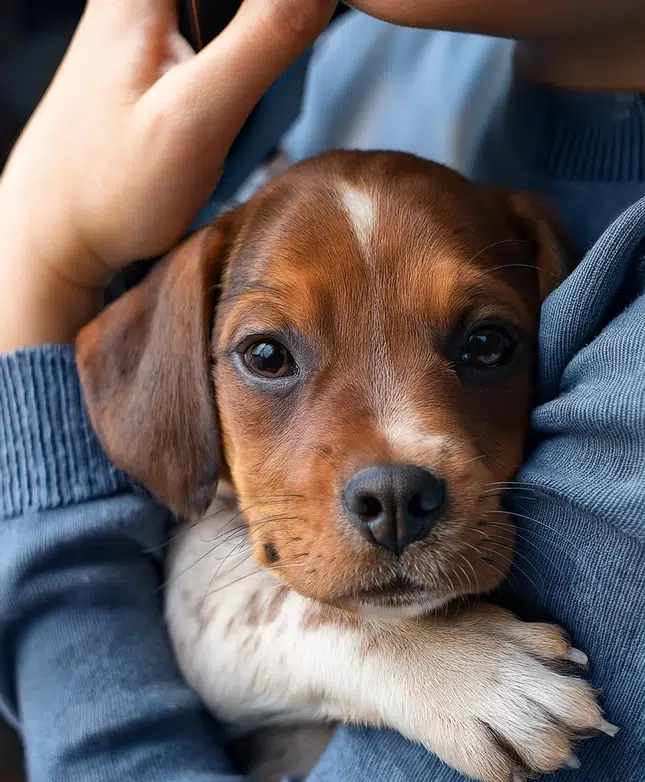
(145, 370)
(372, 326)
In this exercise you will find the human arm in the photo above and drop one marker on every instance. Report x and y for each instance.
(126, 146)
(86, 670)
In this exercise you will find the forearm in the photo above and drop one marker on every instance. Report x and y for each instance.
(85, 665)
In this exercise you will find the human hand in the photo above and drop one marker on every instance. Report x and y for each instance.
(126, 146)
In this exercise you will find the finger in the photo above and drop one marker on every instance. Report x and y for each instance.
(231, 74)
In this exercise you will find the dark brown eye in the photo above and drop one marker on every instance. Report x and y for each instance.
(487, 347)
(269, 359)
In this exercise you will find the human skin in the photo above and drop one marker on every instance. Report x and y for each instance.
(127, 145)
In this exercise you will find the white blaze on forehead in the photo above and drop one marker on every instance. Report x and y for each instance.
(361, 210)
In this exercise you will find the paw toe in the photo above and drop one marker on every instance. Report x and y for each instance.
(546, 641)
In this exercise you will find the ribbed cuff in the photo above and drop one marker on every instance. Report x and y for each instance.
(49, 455)
(577, 136)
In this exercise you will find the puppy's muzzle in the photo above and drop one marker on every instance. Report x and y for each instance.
(394, 505)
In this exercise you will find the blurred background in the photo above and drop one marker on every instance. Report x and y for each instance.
(34, 35)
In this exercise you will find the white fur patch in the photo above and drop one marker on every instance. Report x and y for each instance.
(361, 209)
(404, 433)
(249, 671)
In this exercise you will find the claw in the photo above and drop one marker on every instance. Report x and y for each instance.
(572, 763)
(577, 657)
(608, 728)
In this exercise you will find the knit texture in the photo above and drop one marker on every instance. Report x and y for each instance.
(584, 137)
(86, 669)
(49, 456)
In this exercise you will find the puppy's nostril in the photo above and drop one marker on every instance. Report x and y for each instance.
(416, 506)
(368, 507)
(427, 500)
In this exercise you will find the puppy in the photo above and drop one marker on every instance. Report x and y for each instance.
(352, 352)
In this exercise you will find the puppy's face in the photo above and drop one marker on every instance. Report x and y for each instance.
(372, 355)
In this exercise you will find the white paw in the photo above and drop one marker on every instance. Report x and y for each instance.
(509, 710)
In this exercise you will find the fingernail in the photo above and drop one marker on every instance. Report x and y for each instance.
(577, 657)
(608, 728)
(572, 762)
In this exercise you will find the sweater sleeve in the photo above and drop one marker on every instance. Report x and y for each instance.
(86, 669)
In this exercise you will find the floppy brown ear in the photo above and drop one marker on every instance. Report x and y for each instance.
(536, 221)
(144, 365)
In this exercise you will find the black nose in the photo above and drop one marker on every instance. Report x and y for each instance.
(394, 505)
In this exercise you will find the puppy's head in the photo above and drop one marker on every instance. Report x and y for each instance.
(357, 346)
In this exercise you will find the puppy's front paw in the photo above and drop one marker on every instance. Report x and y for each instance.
(508, 710)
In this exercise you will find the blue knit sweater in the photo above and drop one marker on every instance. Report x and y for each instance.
(85, 667)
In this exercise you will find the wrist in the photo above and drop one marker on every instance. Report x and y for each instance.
(39, 303)
(47, 310)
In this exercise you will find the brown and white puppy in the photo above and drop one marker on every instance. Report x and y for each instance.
(354, 351)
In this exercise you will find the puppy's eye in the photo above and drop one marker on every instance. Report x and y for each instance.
(269, 359)
(487, 347)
